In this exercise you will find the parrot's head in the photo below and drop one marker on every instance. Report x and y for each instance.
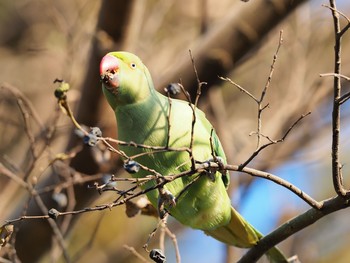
(125, 79)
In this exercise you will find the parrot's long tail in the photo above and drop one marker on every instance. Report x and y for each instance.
(240, 233)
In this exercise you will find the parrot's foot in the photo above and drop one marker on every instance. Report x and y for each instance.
(220, 161)
(165, 199)
(211, 170)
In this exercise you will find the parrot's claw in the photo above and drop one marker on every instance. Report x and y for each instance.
(212, 171)
(211, 174)
(166, 198)
(219, 160)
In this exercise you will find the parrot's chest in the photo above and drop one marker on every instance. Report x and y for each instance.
(150, 128)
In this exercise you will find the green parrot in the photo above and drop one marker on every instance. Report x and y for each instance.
(200, 200)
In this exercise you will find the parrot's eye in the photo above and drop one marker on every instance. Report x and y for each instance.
(133, 65)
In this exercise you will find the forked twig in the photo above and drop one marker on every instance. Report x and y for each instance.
(261, 108)
(135, 253)
(336, 13)
(265, 175)
(336, 165)
(199, 83)
(271, 142)
(335, 75)
(240, 88)
(345, 96)
(259, 101)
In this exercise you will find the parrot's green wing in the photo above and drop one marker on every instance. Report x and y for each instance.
(143, 117)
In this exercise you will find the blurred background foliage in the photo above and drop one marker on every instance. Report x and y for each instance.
(44, 40)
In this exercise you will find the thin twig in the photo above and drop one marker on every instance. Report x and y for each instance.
(199, 83)
(336, 166)
(307, 198)
(176, 246)
(272, 68)
(335, 10)
(42, 207)
(261, 108)
(168, 120)
(28, 111)
(194, 107)
(188, 97)
(18, 94)
(135, 253)
(335, 75)
(240, 88)
(345, 96)
(121, 153)
(271, 142)
(144, 146)
(27, 129)
(265, 175)
(163, 226)
(200, 168)
(69, 112)
(6, 172)
(152, 234)
(259, 101)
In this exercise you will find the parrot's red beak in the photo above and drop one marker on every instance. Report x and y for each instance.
(109, 67)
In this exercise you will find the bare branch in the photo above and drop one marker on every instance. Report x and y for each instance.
(335, 10)
(240, 88)
(199, 169)
(42, 207)
(265, 175)
(135, 253)
(27, 129)
(335, 75)
(192, 125)
(272, 68)
(18, 94)
(152, 234)
(194, 106)
(336, 171)
(271, 142)
(293, 226)
(308, 199)
(344, 98)
(199, 83)
(168, 120)
(259, 101)
(263, 93)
